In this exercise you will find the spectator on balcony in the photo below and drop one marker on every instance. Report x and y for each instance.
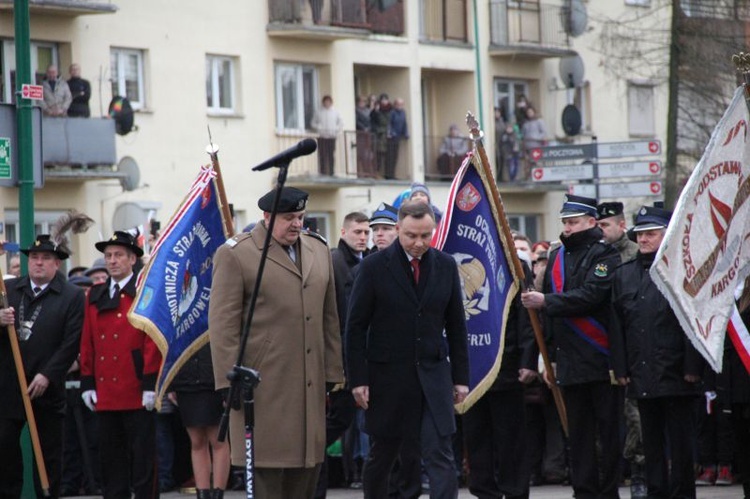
(80, 91)
(365, 151)
(397, 131)
(534, 136)
(522, 103)
(328, 123)
(380, 117)
(510, 154)
(452, 152)
(316, 6)
(57, 96)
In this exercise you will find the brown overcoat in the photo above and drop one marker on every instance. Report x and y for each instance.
(294, 344)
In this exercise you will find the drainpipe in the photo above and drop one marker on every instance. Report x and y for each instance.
(477, 54)
(23, 129)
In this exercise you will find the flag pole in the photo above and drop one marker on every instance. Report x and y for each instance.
(476, 136)
(24, 387)
(213, 151)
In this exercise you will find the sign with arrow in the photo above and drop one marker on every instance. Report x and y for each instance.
(630, 169)
(619, 190)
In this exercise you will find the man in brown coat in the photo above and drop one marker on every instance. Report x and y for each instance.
(294, 344)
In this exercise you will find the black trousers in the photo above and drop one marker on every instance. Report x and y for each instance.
(741, 420)
(594, 410)
(326, 152)
(437, 454)
(715, 434)
(668, 423)
(340, 414)
(50, 427)
(127, 448)
(495, 434)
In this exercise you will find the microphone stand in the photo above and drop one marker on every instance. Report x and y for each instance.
(243, 378)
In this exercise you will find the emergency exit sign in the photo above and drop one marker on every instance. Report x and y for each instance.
(5, 158)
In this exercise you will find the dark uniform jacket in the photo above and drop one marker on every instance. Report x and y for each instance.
(652, 349)
(520, 350)
(589, 263)
(50, 350)
(407, 342)
(344, 260)
(196, 374)
(732, 384)
(119, 361)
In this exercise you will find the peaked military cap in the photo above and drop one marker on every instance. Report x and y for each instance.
(385, 214)
(292, 199)
(121, 238)
(577, 206)
(44, 243)
(606, 210)
(650, 217)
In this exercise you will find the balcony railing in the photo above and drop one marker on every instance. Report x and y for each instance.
(80, 142)
(442, 161)
(66, 7)
(444, 20)
(320, 14)
(350, 155)
(530, 24)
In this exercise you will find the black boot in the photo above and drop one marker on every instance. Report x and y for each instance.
(203, 493)
(638, 488)
(217, 493)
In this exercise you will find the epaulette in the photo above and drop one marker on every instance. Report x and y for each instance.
(315, 235)
(233, 241)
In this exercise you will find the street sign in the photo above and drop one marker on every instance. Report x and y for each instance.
(29, 91)
(564, 173)
(630, 169)
(619, 190)
(556, 153)
(629, 149)
(5, 172)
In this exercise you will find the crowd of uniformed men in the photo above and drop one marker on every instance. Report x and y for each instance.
(370, 342)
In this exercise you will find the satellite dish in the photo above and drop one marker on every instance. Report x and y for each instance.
(128, 215)
(121, 111)
(571, 120)
(132, 174)
(571, 71)
(577, 19)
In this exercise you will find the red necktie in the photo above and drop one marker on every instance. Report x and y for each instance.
(415, 267)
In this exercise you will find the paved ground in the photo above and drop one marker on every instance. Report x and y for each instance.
(543, 492)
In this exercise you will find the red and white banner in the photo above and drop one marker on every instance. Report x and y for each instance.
(706, 250)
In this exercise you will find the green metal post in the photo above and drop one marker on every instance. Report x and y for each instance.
(478, 55)
(25, 145)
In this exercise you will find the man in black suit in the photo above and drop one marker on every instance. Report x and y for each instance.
(47, 313)
(407, 353)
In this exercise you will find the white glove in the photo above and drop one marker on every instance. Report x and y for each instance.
(89, 398)
(148, 400)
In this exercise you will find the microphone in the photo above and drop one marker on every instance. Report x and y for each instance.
(302, 148)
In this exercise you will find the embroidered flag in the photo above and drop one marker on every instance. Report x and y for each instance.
(171, 304)
(706, 252)
(471, 232)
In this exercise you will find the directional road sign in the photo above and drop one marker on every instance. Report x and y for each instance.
(562, 173)
(629, 149)
(630, 169)
(619, 190)
(556, 153)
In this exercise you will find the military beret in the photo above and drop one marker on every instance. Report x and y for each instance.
(577, 206)
(385, 214)
(650, 217)
(121, 238)
(606, 210)
(292, 199)
(44, 243)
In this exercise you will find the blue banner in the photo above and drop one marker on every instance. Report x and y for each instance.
(471, 232)
(171, 303)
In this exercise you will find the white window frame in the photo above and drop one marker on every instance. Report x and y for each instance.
(510, 94)
(9, 64)
(527, 224)
(119, 55)
(213, 65)
(324, 223)
(643, 112)
(297, 72)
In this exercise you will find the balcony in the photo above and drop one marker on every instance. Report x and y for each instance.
(444, 21)
(66, 8)
(352, 158)
(334, 19)
(528, 28)
(79, 149)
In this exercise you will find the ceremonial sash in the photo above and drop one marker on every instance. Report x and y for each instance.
(586, 327)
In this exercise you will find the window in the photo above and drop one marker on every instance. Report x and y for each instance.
(319, 222)
(582, 100)
(126, 66)
(219, 84)
(641, 120)
(506, 94)
(296, 95)
(43, 221)
(527, 225)
(42, 55)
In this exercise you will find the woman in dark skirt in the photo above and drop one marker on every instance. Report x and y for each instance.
(201, 409)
